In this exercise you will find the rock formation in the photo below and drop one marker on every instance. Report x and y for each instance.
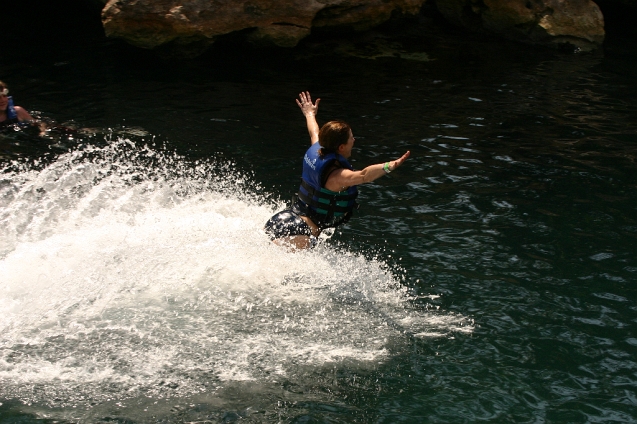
(154, 23)
(578, 23)
(191, 26)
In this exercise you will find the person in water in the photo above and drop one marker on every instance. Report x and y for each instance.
(328, 191)
(9, 113)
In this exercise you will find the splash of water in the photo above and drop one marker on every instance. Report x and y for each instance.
(128, 271)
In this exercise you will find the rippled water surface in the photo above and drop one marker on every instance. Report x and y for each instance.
(491, 278)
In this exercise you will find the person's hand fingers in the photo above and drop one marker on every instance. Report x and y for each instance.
(400, 161)
(305, 101)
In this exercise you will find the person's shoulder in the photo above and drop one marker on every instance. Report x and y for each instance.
(22, 113)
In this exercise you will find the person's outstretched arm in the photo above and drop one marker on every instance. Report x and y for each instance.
(342, 178)
(23, 115)
(309, 110)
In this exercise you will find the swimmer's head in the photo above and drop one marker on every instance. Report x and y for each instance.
(332, 135)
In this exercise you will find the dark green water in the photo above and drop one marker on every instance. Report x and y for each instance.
(517, 213)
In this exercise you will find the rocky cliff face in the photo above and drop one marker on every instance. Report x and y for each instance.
(153, 23)
(193, 25)
(578, 23)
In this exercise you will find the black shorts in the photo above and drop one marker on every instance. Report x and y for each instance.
(285, 224)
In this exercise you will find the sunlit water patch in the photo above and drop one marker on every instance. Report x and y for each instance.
(128, 271)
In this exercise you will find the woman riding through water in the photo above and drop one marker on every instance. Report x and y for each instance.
(328, 184)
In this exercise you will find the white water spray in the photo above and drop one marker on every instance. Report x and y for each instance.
(126, 271)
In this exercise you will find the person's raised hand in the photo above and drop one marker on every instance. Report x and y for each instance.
(305, 103)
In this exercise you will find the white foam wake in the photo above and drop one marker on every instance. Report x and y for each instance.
(128, 271)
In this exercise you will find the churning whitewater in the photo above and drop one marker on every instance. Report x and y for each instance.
(129, 271)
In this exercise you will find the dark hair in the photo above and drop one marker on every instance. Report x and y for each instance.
(332, 135)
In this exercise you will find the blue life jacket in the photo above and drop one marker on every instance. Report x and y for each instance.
(325, 208)
(12, 115)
